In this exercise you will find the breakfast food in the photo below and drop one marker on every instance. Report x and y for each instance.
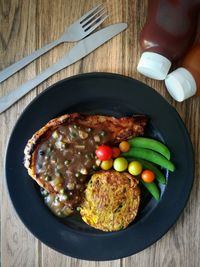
(60, 157)
(111, 200)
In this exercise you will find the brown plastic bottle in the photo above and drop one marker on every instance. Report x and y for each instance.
(167, 34)
(184, 82)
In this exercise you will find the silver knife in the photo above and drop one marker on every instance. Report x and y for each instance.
(80, 50)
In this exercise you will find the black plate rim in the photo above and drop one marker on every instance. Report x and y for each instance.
(111, 75)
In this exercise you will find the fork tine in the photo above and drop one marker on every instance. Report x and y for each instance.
(88, 13)
(94, 21)
(90, 29)
(91, 17)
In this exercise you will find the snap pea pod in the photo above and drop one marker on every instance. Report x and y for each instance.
(153, 189)
(150, 155)
(150, 143)
(150, 166)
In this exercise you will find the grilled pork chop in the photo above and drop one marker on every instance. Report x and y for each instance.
(61, 155)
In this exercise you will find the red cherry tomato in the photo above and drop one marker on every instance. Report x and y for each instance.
(115, 152)
(104, 152)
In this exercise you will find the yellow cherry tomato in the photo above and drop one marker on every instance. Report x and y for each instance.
(120, 164)
(107, 164)
(124, 146)
(135, 167)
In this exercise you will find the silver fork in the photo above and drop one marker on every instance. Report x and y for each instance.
(75, 32)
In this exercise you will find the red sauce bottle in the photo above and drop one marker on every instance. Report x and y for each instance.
(168, 33)
(184, 82)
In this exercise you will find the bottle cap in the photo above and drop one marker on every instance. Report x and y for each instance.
(154, 65)
(180, 84)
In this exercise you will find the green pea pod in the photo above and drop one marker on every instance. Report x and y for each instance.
(153, 189)
(150, 155)
(150, 166)
(150, 143)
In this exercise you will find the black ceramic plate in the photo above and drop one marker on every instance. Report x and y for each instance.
(110, 94)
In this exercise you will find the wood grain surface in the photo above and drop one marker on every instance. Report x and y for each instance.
(26, 25)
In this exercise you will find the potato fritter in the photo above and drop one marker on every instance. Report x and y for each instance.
(111, 200)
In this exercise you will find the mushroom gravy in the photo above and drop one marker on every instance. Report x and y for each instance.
(65, 160)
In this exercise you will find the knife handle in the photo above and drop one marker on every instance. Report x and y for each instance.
(12, 97)
(6, 73)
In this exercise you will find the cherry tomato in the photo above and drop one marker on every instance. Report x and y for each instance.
(115, 152)
(104, 152)
(124, 146)
(135, 167)
(106, 164)
(120, 164)
(148, 176)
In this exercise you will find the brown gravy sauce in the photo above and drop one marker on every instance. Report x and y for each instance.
(66, 160)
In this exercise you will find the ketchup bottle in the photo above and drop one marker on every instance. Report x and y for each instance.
(184, 82)
(168, 33)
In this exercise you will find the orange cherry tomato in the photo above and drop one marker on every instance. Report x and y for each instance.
(124, 146)
(148, 176)
(115, 152)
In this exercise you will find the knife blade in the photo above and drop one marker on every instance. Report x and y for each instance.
(89, 44)
(79, 51)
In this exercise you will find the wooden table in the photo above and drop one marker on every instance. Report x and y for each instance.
(26, 25)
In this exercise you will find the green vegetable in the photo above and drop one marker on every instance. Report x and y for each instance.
(44, 192)
(150, 155)
(64, 197)
(62, 191)
(149, 166)
(88, 130)
(94, 167)
(77, 174)
(67, 162)
(143, 142)
(73, 135)
(153, 189)
(47, 178)
(102, 133)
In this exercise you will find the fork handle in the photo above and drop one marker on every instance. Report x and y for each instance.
(9, 99)
(6, 73)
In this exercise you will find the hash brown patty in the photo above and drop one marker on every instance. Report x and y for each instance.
(111, 200)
